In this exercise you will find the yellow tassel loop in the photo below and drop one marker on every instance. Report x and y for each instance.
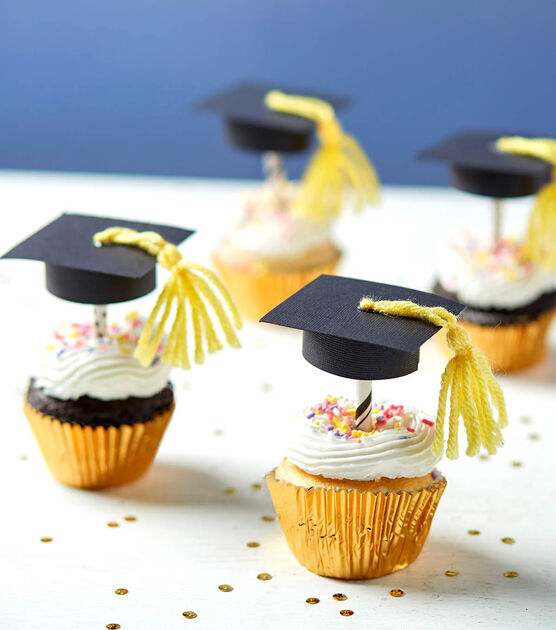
(540, 243)
(189, 283)
(338, 165)
(467, 378)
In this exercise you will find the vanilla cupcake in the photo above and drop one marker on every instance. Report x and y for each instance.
(283, 239)
(100, 400)
(358, 490)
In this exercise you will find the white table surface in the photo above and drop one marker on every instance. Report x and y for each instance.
(190, 536)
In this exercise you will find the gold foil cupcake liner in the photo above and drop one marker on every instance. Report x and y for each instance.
(512, 347)
(97, 457)
(257, 291)
(351, 534)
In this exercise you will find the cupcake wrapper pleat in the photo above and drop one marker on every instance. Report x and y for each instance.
(97, 457)
(351, 534)
(258, 291)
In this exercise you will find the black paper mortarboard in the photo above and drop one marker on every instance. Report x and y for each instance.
(478, 167)
(345, 341)
(250, 124)
(78, 271)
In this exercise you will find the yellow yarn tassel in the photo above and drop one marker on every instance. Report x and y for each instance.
(540, 243)
(467, 378)
(188, 283)
(338, 165)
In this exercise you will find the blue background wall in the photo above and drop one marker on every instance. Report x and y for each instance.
(108, 85)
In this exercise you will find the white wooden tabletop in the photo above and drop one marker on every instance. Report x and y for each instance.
(202, 501)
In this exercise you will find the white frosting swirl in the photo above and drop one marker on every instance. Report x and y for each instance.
(487, 277)
(391, 452)
(78, 364)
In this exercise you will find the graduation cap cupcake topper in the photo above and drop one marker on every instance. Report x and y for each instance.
(80, 267)
(263, 118)
(368, 331)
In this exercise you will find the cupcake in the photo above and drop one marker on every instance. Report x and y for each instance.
(100, 400)
(508, 284)
(358, 490)
(283, 239)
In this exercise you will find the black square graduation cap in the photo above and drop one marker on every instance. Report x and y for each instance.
(79, 271)
(343, 340)
(250, 124)
(478, 167)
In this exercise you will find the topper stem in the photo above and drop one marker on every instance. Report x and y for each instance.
(364, 404)
(101, 325)
(273, 167)
(497, 221)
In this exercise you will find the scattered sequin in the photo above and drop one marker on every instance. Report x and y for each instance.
(473, 532)
(229, 490)
(511, 574)
(268, 519)
(189, 614)
(266, 387)
(508, 540)
(451, 573)
(121, 591)
(253, 544)
(225, 588)
(517, 464)
(23, 458)
(130, 519)
(397, 592)
(346, 613)
(339, 597)
(534, 437)
(525, 419)
(483, 457)
(256, 486)
(46, 539)
(264, 577)
(218, 432)
(312, 600)
(113, 626)
(113, 524)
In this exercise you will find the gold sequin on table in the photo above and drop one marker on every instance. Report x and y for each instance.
(189, 614)
(112, 524)
(346, 613)
(339, 597)
(397, 592)
(507, 540)
(517, 464)
(218, 432)
(113, 626)
(256, 486)
(253, 544)
(121, 591)
(264, 577)
(312, 600)
(451, 573)
(268, 519)
(225, 588)
(473, 532)
(229, 490)
(525, 419)
(483, 457)
(46, 539)
(534, 437)
(511, 574)
(266, 387)
(130, 519)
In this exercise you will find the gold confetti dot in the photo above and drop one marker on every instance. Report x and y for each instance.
(511, 574)
(253, 544)
(483, 457)
(473, 532)
(507, 540)
(339, 597)
(525, 419)
(264, 577)
(451, 573)
(189, 614)
(113, 626)
(121, 591)
(46, 539)
(256, 486)
(229, 490)
(534, 437)
(130, 519)
(268, 519)
(112, 524)
(397, 592)
(266, 387)
(346, 613)
(23, 458)
(517, 464)
(312, 600)
(218, 432)
(225, 588)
